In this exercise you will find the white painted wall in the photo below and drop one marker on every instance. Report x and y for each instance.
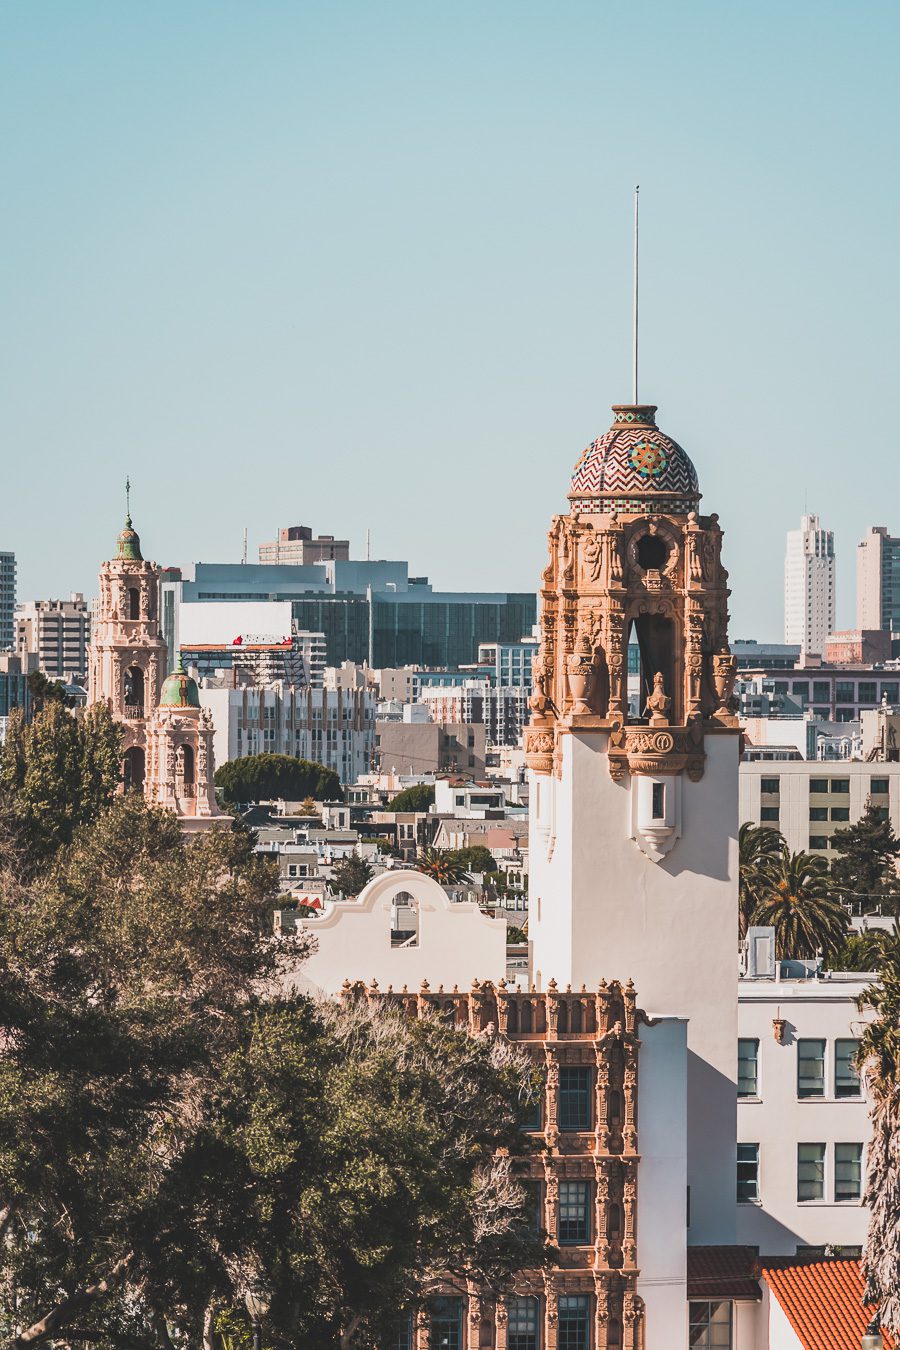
(778, 1121)
(662, 1181)
(600, 908)
(457, 943)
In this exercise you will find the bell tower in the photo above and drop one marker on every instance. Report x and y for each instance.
(634, 797)
(127, 652)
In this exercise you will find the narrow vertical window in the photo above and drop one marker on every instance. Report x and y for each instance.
(659, 801)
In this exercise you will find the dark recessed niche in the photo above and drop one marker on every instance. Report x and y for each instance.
(652, 552)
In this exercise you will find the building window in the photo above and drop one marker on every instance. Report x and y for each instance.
(800, 689)
(840, 784)
(810, 1068)
(818, 785)
(891, 692)
(524, 1324)
(574, 1328)
(710, 1326)
(534, 1205)
(659, 801)
(748, 1068)
(847, 1171)
(840, 813)
(879, 787)
(818, 813)
(818, 841)
(574, 1213)
(810, 1172)
(533, 1118)
(446, 1324)
(846, 1078)
(403, 1340)
(843, 691)
(575, 1091)
(866, 692)
(772, 786)
(769, 813)
(747, 1173)
(821, 691)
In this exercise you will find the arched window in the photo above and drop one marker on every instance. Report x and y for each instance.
(184, 770)
(614, 1334)
(133, 769)
(615, 1107)
(404, 920)
(133, 692)
(525, 1019)
(134, 602)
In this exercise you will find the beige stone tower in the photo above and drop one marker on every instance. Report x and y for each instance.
(128, 653)
(180, 763)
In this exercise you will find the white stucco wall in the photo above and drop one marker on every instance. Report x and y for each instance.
(600, 908)
(662, 1181)
(456, 942)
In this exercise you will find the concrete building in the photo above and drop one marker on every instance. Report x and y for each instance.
(57, 632)
(429, 747)
(509, 662)
(14, 672)
(295, 544)
(503, 709)
(7, 601)
(331, 727)
(831, 693)
(809, 585)
(878, 581)
(808, 800)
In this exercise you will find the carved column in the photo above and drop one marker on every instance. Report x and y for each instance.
(551, 1202)
(552, 1122)
(601, 1097)
(502, 1008)
(601, 1215)
(629, 1205)
(629, 1085)
(632, 1318)
(551, 1318)
(501, 1327)
(422, 1330)
(551, 999)
(601, 1312)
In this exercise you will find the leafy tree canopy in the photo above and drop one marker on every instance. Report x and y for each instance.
(473, 858)
(255, 778)
(865, 869)
(350, 875)
(419, 797)
(796, 898)
(442, 865)
(43, 691)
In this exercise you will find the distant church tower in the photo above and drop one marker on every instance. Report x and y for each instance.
(168, 738)
(634, 811)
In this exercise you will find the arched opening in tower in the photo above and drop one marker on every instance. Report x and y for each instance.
(133, 692)
(655, 635)
(133, 769)
(134, 602)
(184, 769)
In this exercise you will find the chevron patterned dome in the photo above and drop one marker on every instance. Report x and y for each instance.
(634, 467)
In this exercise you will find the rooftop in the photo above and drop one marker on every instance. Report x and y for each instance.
(822, 1300)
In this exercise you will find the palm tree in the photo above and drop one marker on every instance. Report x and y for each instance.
(879, 1065)
(441, 866)
(796, 899)
(759, 847)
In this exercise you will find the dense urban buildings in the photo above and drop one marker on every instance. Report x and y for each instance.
(295, 544)
(57, 633)
(809, 585)
(7, 601)
(878, 581)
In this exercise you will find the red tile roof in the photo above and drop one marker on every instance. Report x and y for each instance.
(822, 1300)
(723, 1272)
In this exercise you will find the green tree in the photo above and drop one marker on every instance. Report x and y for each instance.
(265, 777)
(473, 858)
(442, 866)
(350, 875)
(419, 797)
(860, 951)
(796, 899)
(308, 808)
(865, 870)
(43, 691)
(879, 1064)
(759, 851)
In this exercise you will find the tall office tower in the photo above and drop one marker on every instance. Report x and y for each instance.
(58, 633)
(878, 581)
(7, 601)
(809, 585)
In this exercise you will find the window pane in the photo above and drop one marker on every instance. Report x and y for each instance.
(770, 785)
(818, 785)
(847, 1171)
(810, 1068)
(524, 1324)
(748, 1068)
(879, 786)
(574, 1212)
(840, 784)
(573, 1322)
(810, 1171)
(575, 1092)
(769, 813)
(446, 1323)
(404, 1335)
(747, 1172)
(710, 1325)
(846, 1079)
(818, 813)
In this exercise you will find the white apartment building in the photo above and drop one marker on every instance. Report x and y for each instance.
(57, 632)
(808, 800)
(809, 585)
(803, 1122)
(878, 580)
(331, 727)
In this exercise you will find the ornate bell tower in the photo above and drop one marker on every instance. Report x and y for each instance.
(180, 762)
(634, 801)
(127, 653)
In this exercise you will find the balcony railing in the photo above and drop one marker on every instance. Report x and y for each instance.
(134, 712)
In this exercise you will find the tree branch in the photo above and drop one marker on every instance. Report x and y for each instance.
(82, 1298)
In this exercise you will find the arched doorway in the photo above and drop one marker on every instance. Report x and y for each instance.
(656, 640)
(133, 692)
(133, 769)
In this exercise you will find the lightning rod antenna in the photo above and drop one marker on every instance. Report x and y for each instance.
(634, 310)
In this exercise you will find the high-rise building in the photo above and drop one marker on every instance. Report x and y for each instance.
(57, 632)
(809, 585)
(878, 581)
(7, 601)
(295, 544)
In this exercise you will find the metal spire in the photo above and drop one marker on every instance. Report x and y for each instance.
(634, 313)
(128, 499)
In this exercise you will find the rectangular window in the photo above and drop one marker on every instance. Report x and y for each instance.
(748, 1068)
(821, 691)
(843, 691)
(446, 1323)
(847, 1171)
(818, 813)
(879, 787)
(891, 691)
(574, 1324)
(769, 813)
(772, 786)
(818, 785)
(810, 1172)
(866, 692)
(575, 1092)
(533, 1118)
(800, 689)
(747, 1173)
(846, 1079)
(574, 1213)
(534, 1189)
(403, 1339)
(823, 712)
(840, 784)
(659, 801)
(840, 813)
(810, 1068)
(710, 1325)
(818, 841)
(524, 1324)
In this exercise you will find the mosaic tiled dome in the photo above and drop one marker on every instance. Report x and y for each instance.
(128, 544)
(179, 690)
(633, 466)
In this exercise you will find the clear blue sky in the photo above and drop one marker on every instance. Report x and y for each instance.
(368, 264)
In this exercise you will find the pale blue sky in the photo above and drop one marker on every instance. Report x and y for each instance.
(368, 264)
